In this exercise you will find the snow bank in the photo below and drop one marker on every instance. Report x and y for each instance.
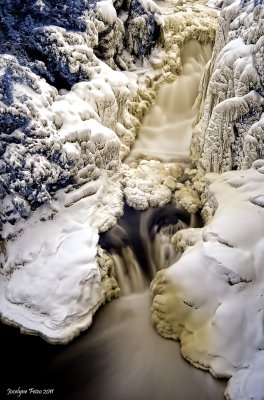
(50, 283)
(50, 280)
(212, 298)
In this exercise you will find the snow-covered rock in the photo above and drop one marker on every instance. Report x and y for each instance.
(229, 133)
(50, 282)
(212, 298)
(149, 183)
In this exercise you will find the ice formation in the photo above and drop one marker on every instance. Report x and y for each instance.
(64, 119)
(175, 65)
(149, 183)
(229, 134)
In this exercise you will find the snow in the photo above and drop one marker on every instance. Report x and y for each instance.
(106, 11)
(50, 281)
(60, 173)
(64, 154)
(151, 6)
(212, 298)
(54, 284)
(232, 102)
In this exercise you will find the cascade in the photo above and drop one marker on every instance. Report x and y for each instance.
(140, 244)
(127, 271)
(166, 131)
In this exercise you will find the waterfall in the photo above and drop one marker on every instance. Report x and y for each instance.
(166, 129)
(140, 244)
(128, 272)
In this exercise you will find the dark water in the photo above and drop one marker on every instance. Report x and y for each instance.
(120, 357)
(142, 232)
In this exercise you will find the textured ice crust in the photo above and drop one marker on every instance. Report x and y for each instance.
(229, 133)
(64, 120)
(65, 41)
(149, 183)
(212, 299)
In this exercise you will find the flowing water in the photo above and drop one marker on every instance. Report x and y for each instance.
(121, 357)
(166, 130)
(140, 244)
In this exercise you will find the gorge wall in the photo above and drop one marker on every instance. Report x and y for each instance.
(229, 133)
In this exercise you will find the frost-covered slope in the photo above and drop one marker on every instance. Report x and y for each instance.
(63, 110)
(64, 40)
(229, 134)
